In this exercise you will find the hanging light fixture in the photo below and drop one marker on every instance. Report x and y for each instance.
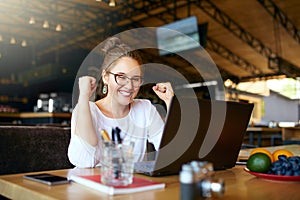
(13, 40)
(24, 43)
(31, 20)
(58, 28)
(46, 24)
(112, 3)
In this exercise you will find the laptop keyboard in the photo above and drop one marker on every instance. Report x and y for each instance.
(146, 166)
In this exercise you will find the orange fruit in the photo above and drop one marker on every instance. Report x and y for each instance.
(259, 162)
(279, 152)
(262, 150)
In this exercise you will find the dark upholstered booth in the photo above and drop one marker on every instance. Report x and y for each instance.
(33, 148)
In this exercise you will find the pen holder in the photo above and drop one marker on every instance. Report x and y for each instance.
(117, 164)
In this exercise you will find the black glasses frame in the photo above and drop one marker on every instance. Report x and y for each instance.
(128, 79)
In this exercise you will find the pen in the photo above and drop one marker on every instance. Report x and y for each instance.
(105, 135)
(118, 131)
(113, 136)
(117, 163)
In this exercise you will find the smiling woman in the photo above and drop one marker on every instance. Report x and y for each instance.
(138, 120)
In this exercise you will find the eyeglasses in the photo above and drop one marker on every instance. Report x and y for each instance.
(122, 80)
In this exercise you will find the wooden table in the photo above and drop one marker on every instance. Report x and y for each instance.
(258, 131)
(35, 117)
(286, 134)
(294, 148)
(291, 134)
(238, 185)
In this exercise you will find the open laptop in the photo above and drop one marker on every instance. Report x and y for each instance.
(200, 130)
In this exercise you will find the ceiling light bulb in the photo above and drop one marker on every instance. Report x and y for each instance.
(24, 43)
(46, 24)
(112, 3)
(32, 20)
(58, 27)
(98, 0)
(13, 40)
(228, 83)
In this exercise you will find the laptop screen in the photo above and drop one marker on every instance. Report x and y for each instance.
(205, 130)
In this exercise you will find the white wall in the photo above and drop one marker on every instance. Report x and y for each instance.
(279, 108)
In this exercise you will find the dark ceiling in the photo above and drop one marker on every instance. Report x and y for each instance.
(247, 40)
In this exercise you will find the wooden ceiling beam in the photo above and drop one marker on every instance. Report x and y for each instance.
(222, 18)
(281, 18)
(215, 46)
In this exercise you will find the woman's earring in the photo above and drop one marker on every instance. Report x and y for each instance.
(104, 89)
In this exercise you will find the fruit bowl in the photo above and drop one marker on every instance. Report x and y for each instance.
(272, 176)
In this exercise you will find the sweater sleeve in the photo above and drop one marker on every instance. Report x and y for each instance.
(80, 153)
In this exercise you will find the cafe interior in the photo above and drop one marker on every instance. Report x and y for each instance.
(251, 48)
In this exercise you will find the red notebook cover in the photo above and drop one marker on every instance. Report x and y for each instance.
(138, 185)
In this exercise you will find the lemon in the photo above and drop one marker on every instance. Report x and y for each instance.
(279, 152)
(259, 162)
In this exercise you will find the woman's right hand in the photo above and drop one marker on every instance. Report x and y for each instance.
(83, 118)
(87, 85)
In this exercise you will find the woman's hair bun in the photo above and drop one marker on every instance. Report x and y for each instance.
(115, 45)
(114, 49)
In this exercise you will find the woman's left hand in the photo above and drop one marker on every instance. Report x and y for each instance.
(164, 91)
